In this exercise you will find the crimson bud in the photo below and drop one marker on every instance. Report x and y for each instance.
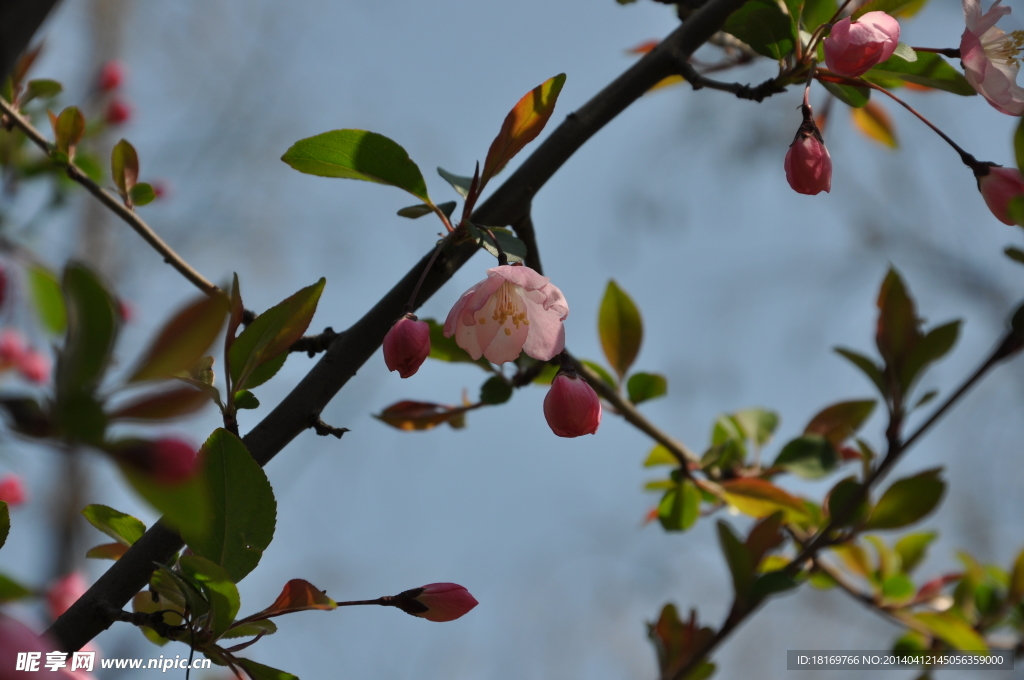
(571, 406)
(407, 345)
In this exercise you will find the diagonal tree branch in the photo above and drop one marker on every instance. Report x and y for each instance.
(507, 206)
(19, 21)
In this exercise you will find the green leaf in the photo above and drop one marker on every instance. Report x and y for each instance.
(912, 549)
(522, 125)
(5, 522)
(496, 390)
(771, 583)
(40, 88)
(660, 455)
(80, 418)
(244, 509)
(933, 346)
(810, 457)
(91, 331)
(1016, 588)
(869, 367)
(421, 209)
(446, 349)
(124, 167)
(185, 506)
(245, 399)
(1015, 254)
(925, 398)
(620, 328)
(817, 12)
(642, 387)
(680, 507)
(894, 7)
(930, 70)
(898, 589)
(515, 250)
(952, 630)
(179, 587)
(758, 424)
(183, 340)
(460, 183)
(258, 671)
(123, 528)
(738, 559)
(848, 94)
(142, 193)
(68, 130)
(839, 422)
(11, 590)
(261, 627)
(763, 25)
(47, 298)
(601, 371)
(220, 592)
(107, 551)
(1018, 144)
(357, 154)
(271, 334)
(907, 500)
(905, 52)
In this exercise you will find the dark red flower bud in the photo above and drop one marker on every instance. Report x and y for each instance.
(571, 406)
(111, 76)
(118, 112)
(407, 345)
(435, 602)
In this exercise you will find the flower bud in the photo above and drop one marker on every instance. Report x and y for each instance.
(12, 348)
(435, 602)
(571, 406)
(111, 75)
(167, 460)
(407, 345)
(808, 165)
(118, 112)
(34, 366)
(999, 186)
(12, 491)
(853, 47)
(64, 593)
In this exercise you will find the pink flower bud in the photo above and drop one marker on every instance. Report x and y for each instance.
(853, 47)
(118, 112)
(571, 406)
(436, 601)
(111, 76)
(998, 187)
(407, 345)
(12, 491)
(12, 347)
(65, 592)
(174, 460)
(34, 366)
(808, 165)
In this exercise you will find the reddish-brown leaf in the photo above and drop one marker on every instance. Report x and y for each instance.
(422, 415)
(165, 405)
(107, 551)
(297, 596)
(184, 340)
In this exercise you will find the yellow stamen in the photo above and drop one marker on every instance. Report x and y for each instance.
(508, 305)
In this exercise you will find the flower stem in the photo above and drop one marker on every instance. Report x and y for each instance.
(951, 52)
(502, 257)
(411, 304)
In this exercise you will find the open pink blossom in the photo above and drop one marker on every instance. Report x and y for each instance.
(998, 187)
(443, 601)
(571, 406)
(853, 47)
(65, 592)
(407, 345)
(990, 57)
(16, 639)
(12, 490)
(514, 309)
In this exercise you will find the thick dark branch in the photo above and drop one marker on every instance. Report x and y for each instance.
(508, 205)
(19, 20)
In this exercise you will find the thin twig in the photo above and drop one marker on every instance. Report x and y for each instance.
(325, 430)
(757, 93)
(314, 344)
(111, 202)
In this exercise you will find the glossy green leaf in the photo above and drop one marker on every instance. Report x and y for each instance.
(40, 88)
(869, 367)
(810, 457)
(68, 130)
(5, 522)
(421, 209)
(764, 26)
(446, 349)
(514, 249)
(738, 558)
(620, 328)
(935, 344)
(660, 455)
(930, 70)
(952, 630)
(123, 528)
(124, 167)
(679, 507)
(271, 334)
(244, 509)
(817, 12)
(898, 589)
(839, 422)
(522, 125)
(850, 95)
(244, 399)
(185, 506)
(180, 587)
(183, 340)
(91, 331)
(496, 390)
(642, 387)
(357, 154)
(758, 424)
(11, 590)
(165, 405)
(218, 588)
(460, 183)
(913, 548)
(907, 501)
(258, 671)
(47, 298)
(142, 193)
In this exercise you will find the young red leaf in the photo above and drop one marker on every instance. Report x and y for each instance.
(124, 167)
(522, 125)
(183, 340)
(297, 596)
(422, 415)
(68, 129)
(839, 422)
(166, 405)
(107, 551)
(760, 498)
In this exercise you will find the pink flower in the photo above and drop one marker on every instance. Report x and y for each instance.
(853, 47)
(571, 406)
(65, 592)
(12, 491)
(514, 309)
(111, 75)
(437, 601)
(12, 347)
(17, 639)
(989, 57)
(808, 165)
(118, 112)
(34, 366)
(407, 345)
(998, 187)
